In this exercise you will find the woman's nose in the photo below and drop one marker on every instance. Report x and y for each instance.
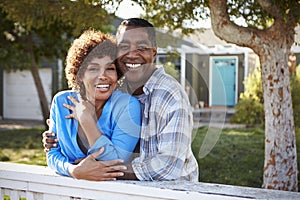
(101, 75)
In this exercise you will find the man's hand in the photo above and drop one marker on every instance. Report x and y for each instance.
(128, 173)
(91, 169)
(49, 141)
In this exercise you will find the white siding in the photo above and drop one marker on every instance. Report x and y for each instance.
(20, 96)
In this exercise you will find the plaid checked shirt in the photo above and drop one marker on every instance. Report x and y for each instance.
(166, 134)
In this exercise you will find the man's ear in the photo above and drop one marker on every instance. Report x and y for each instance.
(154, 51)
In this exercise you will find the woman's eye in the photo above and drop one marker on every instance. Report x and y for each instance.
(111, 67)
(92, 69)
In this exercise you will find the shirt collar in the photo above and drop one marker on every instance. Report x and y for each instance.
(149, 85)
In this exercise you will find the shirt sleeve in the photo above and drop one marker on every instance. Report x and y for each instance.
(173, 139)
(55, 159)
(125, 134)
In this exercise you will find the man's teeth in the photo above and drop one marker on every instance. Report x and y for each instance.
(132, 65)
(102, 86)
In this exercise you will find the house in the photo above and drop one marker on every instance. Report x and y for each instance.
(204, 63)
(18, 94)
(207, 63)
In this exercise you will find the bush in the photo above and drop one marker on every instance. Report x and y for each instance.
(3, 157)
(250, 110)
(295, 85)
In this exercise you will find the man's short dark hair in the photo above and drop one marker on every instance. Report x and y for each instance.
(139, 23)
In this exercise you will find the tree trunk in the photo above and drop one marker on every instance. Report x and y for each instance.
(272, 46)
(280, 167)
(34, 69)
(41, 93)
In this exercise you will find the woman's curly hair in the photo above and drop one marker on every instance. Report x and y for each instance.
(91, 44)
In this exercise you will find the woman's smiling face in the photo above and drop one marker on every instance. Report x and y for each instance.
(100, 79)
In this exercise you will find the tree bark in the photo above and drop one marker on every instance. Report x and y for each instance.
(272, 45)
(280, 167)
(41, 93)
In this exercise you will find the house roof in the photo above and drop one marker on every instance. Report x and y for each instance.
(207, 37)
(201, 42)
(296, 46)
(204, 41)
(297, 35)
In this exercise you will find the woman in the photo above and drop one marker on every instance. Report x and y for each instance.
(92, 115)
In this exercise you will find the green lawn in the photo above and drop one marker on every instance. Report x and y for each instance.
(22, 146)
(237, 158)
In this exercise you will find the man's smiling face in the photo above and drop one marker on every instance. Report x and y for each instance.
(136, 55)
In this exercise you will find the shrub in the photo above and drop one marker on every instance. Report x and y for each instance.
(295, 85)
(3, 157)
(250, 110)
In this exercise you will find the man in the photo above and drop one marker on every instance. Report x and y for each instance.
(165, 142)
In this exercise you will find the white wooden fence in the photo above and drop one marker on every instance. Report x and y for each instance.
(32, 182)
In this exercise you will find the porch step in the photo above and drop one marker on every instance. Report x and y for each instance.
(212, 114)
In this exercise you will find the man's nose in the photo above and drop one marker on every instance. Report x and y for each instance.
(133, 52)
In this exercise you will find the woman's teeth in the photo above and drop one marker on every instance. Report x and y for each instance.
(102, 86)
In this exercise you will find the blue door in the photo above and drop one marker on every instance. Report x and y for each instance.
(223, 81)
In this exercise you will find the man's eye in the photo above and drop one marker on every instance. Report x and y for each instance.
(142, 48)
(123, 47)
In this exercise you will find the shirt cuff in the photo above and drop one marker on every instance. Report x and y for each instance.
(139, 170)
(100, 142)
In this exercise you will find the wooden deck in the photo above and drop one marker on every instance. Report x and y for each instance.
(40, 183)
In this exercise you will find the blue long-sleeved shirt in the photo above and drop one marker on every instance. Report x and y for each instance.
(119, 123)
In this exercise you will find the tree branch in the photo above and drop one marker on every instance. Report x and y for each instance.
(224, 28)
(269, 7)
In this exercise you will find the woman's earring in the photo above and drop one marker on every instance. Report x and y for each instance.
(120, 82)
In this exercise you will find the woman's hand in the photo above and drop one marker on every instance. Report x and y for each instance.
(91, 169)
(82, 110)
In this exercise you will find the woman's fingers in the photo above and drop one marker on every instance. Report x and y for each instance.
(73, 100)
(69, 116)
(68, 106)
(97, 153)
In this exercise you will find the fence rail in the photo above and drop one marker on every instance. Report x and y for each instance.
(40, 183)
